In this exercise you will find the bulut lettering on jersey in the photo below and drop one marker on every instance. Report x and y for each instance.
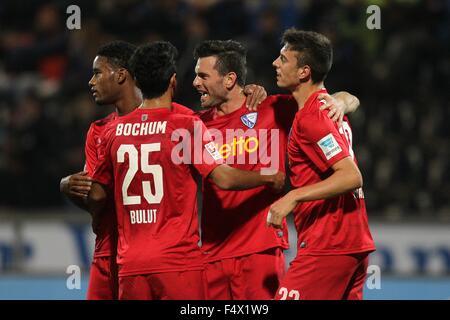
(143, 216)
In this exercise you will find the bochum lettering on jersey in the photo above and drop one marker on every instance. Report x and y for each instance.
(141, 128)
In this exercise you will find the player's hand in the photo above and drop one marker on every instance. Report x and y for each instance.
(279, 210)
(336, 107)
(255, 95)
(277, 181)
(76, 185)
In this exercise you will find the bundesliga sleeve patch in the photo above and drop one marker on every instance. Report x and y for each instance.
(212, 150)
(329, 146)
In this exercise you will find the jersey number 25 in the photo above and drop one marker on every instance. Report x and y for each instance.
(154, 169)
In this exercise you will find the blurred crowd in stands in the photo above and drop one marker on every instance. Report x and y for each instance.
(400, 73)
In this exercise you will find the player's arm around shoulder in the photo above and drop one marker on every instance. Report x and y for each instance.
(350, 101)
(255, 95)
(338, 104)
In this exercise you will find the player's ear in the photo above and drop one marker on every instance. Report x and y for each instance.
(304, 73)
(121, 75)
(230, 80)
(173, 81)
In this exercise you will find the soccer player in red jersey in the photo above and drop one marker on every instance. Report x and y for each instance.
(148, 162)
(244, 258)
(113, 84)
(334, 239)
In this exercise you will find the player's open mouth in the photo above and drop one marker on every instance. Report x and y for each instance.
(203, 95)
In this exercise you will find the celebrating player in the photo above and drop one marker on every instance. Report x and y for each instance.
(328, 203)
(113, 84)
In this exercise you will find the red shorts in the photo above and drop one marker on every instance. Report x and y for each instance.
(252, 277)
(182, 285)
(103, 279)
(325, 278)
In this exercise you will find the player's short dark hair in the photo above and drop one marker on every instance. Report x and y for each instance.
(314, 49)
(118, 53)
(231, 57)
(152, 66)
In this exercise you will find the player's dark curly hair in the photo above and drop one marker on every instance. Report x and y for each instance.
(314, 50)
(231, 57)
(152, 66)
(118, 53)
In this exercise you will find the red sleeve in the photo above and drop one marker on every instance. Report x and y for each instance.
(90, 151)
(321, 141)
(103, 172)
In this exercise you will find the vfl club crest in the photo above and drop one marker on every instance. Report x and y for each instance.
(249, 119)
(144, 117)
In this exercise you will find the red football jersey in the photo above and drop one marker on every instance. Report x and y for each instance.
(179, 108)
(334, 226)
(233, 222)
(104, 226)
(145, 163)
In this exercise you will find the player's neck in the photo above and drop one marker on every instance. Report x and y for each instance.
(164, 101)
(235, 100)
(304, 91)
(131, 99)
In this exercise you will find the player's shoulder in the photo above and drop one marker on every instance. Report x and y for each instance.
(183, 117)
(279, 99)
(179, 108)
(104, 121)
(100, 125)
(184, 121)
(281, 102)
(206, 114)
(311, 110)
(182, 114)
(312, 105)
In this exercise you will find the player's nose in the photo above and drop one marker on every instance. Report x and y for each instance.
(196, 82)
(274, 63)
(91, 82)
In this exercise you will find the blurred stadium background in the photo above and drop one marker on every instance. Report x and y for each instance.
(401, 74)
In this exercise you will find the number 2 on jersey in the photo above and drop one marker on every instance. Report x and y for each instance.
(133, 167)
(345, 129)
